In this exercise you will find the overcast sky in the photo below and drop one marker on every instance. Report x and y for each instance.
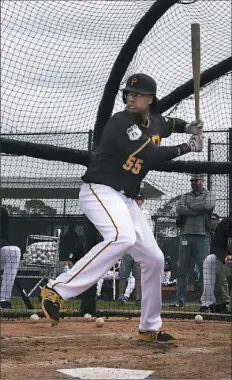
(57, 56)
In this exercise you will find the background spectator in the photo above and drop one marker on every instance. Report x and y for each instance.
(129, 265)
(110, 275)
(68, 242)
(194, 211)
(214, 223)
(221, 254)
(221, 290)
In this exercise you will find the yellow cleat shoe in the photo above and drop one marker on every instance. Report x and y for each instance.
(159, 336)
(51, 304)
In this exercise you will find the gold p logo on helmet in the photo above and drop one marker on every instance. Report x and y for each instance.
(133, 81)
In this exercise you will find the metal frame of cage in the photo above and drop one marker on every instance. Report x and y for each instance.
(45, 269)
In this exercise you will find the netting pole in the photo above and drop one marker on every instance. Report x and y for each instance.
(209, 159)
(90, 140)
(230, 174)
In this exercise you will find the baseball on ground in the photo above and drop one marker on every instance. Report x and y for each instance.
(199, 319)
(100, 322)
(87, 317)
(34, 317)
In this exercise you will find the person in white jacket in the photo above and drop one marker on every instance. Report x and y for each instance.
(9, 261)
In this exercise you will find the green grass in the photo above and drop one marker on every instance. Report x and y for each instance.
(74, 305)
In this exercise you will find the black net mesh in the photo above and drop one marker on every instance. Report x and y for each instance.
(56, 59)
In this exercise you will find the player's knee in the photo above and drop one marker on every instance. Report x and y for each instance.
(158, 262)
(155, 261)
(127, 239)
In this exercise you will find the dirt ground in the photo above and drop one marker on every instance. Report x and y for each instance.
(34, 350)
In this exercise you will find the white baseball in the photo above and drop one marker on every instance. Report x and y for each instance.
(199, 319)
(87, 317)
(34, 317)
(100, 322)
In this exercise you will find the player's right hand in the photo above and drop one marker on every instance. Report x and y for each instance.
(196, 143)
(195, 127)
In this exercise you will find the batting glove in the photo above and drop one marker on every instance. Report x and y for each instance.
(195, 127)
(196, 143)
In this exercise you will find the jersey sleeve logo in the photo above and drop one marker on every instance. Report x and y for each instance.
(134, 133)
(156, 139)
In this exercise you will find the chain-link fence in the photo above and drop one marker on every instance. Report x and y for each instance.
(44, 216)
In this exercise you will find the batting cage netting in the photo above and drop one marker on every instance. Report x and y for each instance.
(63, 65)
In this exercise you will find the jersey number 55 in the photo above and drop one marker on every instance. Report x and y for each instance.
(133, 164)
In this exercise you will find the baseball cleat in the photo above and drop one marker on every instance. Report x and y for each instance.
(208, 309)
(138, 302)
(5, 305)
(159, 336)
(178, 304)
(122, 300)
(51, 304)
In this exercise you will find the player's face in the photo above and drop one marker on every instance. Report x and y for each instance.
(214, 222)
(197, 184)
(138, 102)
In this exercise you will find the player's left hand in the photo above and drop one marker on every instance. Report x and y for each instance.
(195, 127)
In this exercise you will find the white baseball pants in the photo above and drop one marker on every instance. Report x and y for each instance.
(10, 259)
(124, 229)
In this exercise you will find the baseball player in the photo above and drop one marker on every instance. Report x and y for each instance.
(129, 146)
(10, 259)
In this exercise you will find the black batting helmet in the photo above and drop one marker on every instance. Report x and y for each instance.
(141, 83)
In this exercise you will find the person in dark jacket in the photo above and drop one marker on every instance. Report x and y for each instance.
(195, 208)
(68, 242)
(221, 255)
(221, 290)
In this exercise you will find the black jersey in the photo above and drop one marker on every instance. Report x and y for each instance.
(128, 149)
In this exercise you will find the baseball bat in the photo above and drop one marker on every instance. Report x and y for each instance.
(114, 283)
(196, 65)
(24, 295)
